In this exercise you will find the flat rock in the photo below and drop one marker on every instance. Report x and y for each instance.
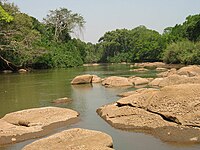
(115, 81)
(62, 100)
(161, 69)
(74, 139)
(139, 70)
(170, 108)
(175, 80)
(31, 123)
(141, 90)
(150, 64)
(82, 79)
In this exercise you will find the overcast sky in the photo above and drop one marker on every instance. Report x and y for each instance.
(106, 15)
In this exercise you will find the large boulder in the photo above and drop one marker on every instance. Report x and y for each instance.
(172, 108)
(115, 81)
(138, 80)
(189, 71)
(174, 80)
(82, 79)
(74, 139)
(96, 79)
(32, 123)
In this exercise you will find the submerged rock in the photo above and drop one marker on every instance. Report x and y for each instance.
(115, 81)
(31, 123)
(170, 108)
(82, 79)
(76, 139)
(139, 70)
(62, 100)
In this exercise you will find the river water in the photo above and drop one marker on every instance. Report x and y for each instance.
(39, 88)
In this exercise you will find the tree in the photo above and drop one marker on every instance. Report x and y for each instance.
(4, 16)
(63, 22)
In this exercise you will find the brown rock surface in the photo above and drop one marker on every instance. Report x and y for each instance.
(32, 123)
(138, 80)
(141, 90)
(74, 139)
(115, 81)
(167, 73)
(189, 71)
(175, 80)
(172, 108)
(82, 79)
(96, 79)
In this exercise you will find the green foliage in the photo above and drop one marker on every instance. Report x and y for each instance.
(184, 52)
(138, 44)
(4, 16)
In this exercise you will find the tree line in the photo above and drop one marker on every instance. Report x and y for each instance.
(27, 42)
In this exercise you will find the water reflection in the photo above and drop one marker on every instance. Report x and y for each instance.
(37, 89)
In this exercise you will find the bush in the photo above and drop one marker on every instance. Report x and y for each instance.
(184, 52)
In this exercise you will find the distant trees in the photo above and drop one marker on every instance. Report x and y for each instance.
(138, 44)
(63, 22)
(183, 42)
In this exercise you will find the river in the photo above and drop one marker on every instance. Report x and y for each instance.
(39, 88)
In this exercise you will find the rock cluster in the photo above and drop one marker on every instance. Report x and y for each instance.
(31, 123)
(173, 108)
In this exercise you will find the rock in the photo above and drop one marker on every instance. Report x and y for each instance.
(161, 69)
(115, 81)
(138, 80)
(139, 70)
(74, 139)
(96, 79)
(7, 71)
(167, 73)
(62, 100)
(156, 82)
(189, 71)
(126, 94)
(82, 79)
(22, 70)
(94, 64)
(150, 65)
(159, 112)
(32, 123)
(174, 80)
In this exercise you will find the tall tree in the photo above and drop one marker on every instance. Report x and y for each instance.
(63, 22)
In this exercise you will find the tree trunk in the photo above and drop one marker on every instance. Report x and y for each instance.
(6, 65)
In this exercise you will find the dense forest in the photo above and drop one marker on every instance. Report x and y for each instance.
(29, 43)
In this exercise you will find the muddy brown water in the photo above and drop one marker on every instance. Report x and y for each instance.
(40, 88)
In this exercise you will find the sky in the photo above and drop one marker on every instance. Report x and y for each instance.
(106, 15)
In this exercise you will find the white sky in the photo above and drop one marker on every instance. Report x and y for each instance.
(106, 15)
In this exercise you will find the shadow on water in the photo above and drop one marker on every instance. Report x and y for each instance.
(38, 89)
